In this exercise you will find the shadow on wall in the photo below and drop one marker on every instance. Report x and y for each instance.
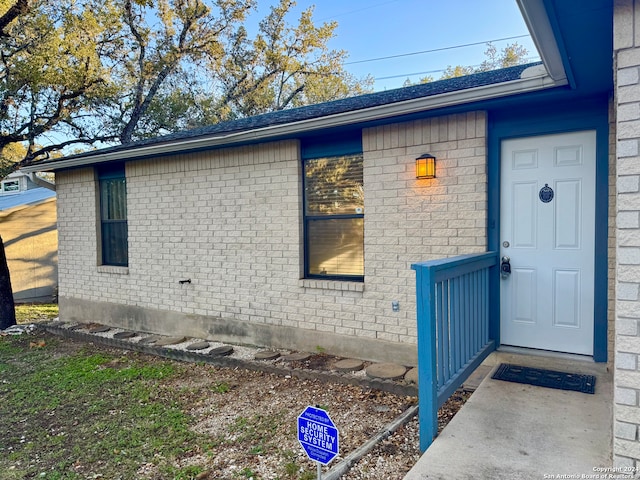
(31, 244)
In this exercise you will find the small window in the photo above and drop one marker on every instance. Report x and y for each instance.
(113, 216)
(334, 217)
(11, 186)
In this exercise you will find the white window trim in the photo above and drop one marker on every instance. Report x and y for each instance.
(7, 182)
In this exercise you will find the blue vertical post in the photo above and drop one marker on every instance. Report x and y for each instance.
(457, 327)
(468, 320)
(485, 305)
(476, 308)
(427, 384)
(437, 319)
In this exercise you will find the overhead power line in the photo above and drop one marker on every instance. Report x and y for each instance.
(429, 72)
(407, 75)
(435, 50)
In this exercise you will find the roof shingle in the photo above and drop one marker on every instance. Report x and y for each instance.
(350, 104)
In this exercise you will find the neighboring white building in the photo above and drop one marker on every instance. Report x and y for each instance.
(28, 229)
(18, 182)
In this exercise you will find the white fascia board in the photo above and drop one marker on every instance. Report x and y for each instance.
(41, 182)
(527, 83)
(537, 20)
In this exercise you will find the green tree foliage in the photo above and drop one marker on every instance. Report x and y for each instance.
(457, 71)
(166, 44)
(511, 55)
(283, 66)
(11, 154)
(74, 73)
(52, 73)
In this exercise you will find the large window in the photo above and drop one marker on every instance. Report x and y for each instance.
(334, 217)
(113, 216)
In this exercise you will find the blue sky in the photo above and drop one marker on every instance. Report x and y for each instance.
(370, 29)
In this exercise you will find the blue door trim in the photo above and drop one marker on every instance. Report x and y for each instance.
(585, 115)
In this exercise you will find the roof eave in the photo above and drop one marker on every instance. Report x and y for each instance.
(533, 79)
(542, 33)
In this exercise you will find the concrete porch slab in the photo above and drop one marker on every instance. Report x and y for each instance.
(515, 431)
(475, 379)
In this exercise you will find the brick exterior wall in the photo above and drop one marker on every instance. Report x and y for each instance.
(409, 220)
(626, 446)
(611, 241)
(230, 220)
(77, 230)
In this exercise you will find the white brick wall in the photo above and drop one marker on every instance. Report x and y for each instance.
(409, 220)
(627, 206)
(230, 220)
(77, 247)
(205, 217)
(611, 237)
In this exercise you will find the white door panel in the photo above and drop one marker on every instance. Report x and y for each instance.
(525, 291)
(547, 228)
(524, 214)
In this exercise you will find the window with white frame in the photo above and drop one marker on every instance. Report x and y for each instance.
(11, 186)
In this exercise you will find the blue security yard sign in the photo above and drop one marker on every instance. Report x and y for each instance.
(318, 435)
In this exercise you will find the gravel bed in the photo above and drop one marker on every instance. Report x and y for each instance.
(391, 458)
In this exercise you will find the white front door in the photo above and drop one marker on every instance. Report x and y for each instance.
(547, 229)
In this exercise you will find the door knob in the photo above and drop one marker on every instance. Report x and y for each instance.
(505, 267)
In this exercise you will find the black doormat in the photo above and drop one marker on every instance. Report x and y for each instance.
(546, 378)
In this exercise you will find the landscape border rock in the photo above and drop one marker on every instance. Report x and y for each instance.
(18, 329)
(221, 351)
(266, 355)
(390, 371)
(349, 365)
(396, 388)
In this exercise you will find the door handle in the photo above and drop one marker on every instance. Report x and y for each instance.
(505, 267)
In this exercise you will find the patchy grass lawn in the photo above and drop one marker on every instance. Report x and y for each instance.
(65, 415)
(35, 312)
(73, 410)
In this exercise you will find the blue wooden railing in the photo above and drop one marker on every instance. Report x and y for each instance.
(455, 320)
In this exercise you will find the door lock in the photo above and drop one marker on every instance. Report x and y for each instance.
(505, 267)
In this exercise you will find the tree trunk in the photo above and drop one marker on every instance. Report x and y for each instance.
(7, 307)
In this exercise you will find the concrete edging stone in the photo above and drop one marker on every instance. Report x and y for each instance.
(389, 386)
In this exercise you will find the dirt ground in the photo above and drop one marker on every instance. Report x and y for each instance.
(243, 422)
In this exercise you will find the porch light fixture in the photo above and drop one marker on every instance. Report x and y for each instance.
(426, 166)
